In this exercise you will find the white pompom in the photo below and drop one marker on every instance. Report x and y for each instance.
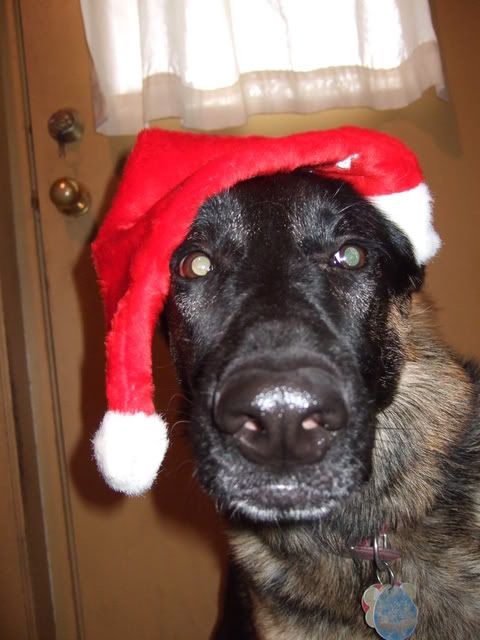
(129, 449)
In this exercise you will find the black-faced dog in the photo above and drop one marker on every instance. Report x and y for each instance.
(325, 410)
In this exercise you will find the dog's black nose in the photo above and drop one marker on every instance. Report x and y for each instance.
(281, 418)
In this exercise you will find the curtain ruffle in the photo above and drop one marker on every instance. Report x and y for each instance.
(202, 60)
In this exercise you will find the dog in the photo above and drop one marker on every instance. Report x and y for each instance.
(326, 410)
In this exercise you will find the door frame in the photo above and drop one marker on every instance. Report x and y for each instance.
(36, 471)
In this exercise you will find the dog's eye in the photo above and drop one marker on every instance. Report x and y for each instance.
(195, 265)
(350, 257)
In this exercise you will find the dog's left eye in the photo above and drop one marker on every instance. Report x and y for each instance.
(195, 265)
(350, 256)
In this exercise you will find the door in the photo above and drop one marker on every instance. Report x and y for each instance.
(121, 568)
(150, 567)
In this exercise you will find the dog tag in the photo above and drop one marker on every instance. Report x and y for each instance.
(394, 612)
(369, 598)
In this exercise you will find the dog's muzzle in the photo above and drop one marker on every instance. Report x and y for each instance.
(281, 418)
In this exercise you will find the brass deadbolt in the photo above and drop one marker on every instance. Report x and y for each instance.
(65, 125)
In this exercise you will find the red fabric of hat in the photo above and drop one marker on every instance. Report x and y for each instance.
(169, 175)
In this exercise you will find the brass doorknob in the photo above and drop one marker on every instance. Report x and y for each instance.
(70, 197)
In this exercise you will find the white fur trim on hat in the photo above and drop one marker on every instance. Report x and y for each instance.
(411, 211)
(129, 449)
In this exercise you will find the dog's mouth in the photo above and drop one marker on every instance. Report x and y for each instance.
(278, 501)
(281, 501)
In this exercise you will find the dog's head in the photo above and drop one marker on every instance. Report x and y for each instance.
(281, 321)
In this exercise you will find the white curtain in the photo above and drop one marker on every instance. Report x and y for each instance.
(215, 62)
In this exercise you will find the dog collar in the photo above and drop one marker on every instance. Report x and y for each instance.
(375, 548)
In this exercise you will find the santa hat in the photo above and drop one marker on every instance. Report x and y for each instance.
(169, 175)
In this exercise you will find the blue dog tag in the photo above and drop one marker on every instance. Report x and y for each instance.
(394, 614)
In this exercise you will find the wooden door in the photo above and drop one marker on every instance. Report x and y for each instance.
(149, 567)
(120, 568)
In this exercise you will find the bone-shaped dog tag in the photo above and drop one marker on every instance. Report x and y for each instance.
(369, 598)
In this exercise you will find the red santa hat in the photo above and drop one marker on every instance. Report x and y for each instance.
(169, 175)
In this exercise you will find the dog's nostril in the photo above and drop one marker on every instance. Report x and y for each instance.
(331, 420)
(251, 425)
(313, 421)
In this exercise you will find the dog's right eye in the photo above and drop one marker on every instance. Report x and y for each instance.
(350, 256)
(195, 265)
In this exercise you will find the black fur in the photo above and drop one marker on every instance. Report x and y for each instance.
(273, 296)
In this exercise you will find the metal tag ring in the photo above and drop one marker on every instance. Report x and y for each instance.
(382, 565)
